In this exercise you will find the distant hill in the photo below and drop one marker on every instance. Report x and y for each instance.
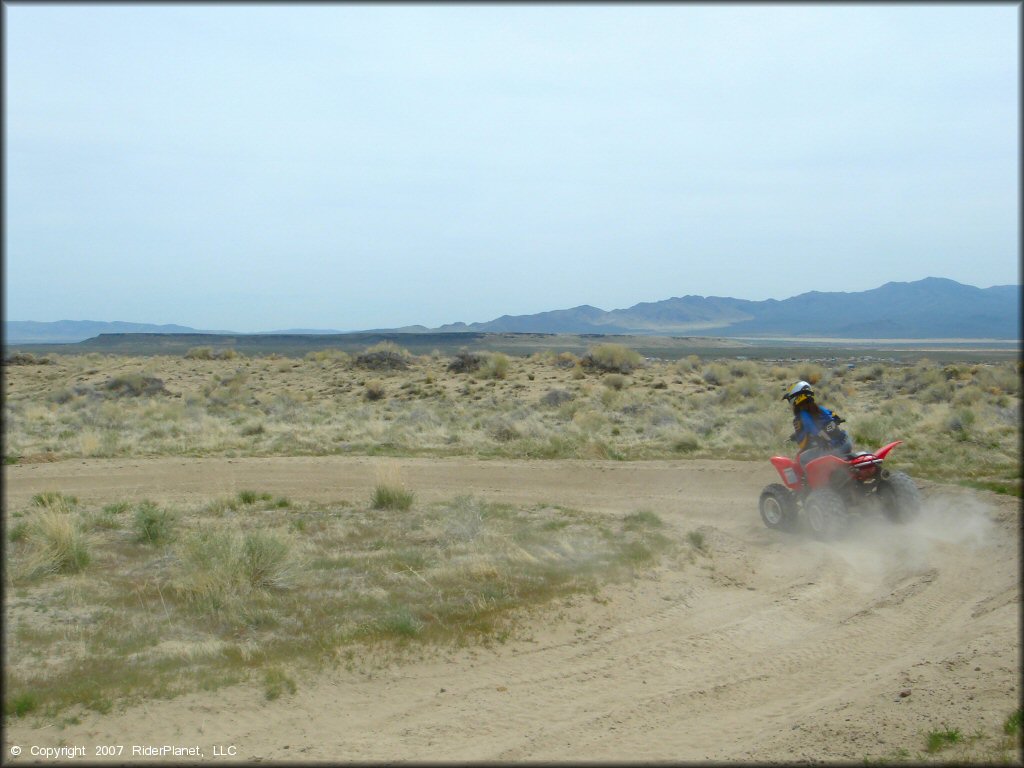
(73, 331)
(933, 308)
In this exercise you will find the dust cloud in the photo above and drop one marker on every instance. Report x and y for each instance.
(877, 550)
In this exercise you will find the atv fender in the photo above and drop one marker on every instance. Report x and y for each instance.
(820, 470)
(788, 470)
(881, 452)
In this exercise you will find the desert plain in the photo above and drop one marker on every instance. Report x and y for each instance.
(492, 558)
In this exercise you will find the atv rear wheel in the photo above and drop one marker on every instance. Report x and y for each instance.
(901, 501)
(777, 508)
(826, 514)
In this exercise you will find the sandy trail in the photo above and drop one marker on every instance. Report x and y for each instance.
(769, 647)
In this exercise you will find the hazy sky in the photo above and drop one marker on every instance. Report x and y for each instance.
(261, 167)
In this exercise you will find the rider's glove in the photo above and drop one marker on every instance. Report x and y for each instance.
(795, 437)
(837, 419)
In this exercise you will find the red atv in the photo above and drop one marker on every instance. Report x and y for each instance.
(831, 486)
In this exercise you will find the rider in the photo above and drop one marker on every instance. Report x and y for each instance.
(816, 429)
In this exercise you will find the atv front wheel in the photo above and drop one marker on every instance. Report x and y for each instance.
(901, 501)
(777, 508)
(826, 514)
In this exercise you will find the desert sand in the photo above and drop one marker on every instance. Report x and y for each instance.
(769, 647)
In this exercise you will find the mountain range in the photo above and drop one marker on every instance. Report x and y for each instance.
(932, 308)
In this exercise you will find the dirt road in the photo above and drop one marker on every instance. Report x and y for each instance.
(767, 647)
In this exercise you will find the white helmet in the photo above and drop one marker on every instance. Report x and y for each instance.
(800, 388)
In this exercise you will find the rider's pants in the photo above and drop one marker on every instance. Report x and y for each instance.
(814, 453)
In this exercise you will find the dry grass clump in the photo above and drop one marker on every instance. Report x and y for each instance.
(465, 362)
(248, 596)
(390, 491)
(391, 497)
(716, 374)
(812, 373)
(277, 682)
(495, 366)
(385, 356)
(330, 354)
(486, 365)
(50, 542)
(135, 385)
(209, 353)
(615, 381)
(219, 566)
(612, 358)
(686, 365)
(556, 397)
(26, 358)
(55, 501)
(374, 390)
(226, 392)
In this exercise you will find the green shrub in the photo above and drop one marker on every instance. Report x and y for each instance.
(18, 532)
(686, 443)
(277, 682)
(938, 740)
(393, 497)
(1012, 725)
(21, 704)
(153, 525)
(251, 497)
(55, 501)
(400, 624)
(642, 520)
(872, 432)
